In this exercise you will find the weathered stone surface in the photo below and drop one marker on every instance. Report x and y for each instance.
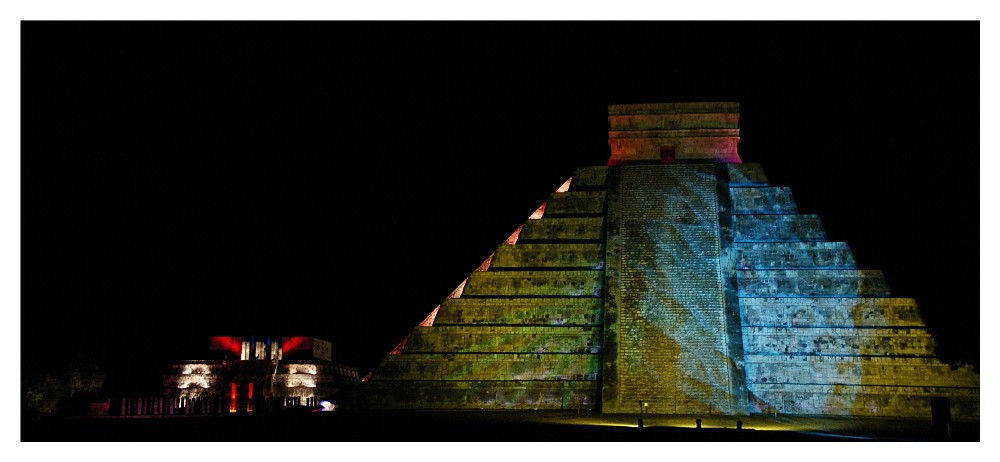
(778, 228)
(524, 311)
(563, 229)
(474, 366)
(674, 121)
(830, 312)
(856, 370)
(707, 107)
(838, 341)
(861, 401)
(749, 174)
(505, 339)
(718, 145)
(791, 255)
(762, 200)
(538, 283)
(702, 131)
(575, 203)
(589, 177)
(611, 383)
(811, 283)
(585, 256)
(508, 394)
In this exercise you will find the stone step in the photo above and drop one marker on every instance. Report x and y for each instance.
(524, 311)
(889, 341)
(860, 401)
(811, 283)
(778, 228)
(749, 174)
(504, 339)
(480, 394)
(830, 312)
(589, 256)
(589, 177)
(857, 370)
(476, 366)
(762, 200)
(535, 283)
(563, 229)
(575, 203)
(785, 255)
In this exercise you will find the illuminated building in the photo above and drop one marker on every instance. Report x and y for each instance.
(674, 280)
(252, 376)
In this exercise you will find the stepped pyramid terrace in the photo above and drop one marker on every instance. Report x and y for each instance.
(675, 280)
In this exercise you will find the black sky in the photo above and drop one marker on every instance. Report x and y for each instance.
(339, 179)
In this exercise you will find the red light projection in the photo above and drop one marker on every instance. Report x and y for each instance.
(458, 290)
(485, 265)
(565, 186)
(250, 397)
(399, 347)
(513, 237)
(539, 212)
(232, 398)
(429, 320)
(227, 344)
(291, 344)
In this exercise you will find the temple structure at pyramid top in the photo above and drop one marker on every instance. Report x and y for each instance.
(674, 132)
(674, 280)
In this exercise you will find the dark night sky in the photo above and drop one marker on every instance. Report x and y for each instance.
(339, 179)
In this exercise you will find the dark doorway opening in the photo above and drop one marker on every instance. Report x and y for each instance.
(668, 155)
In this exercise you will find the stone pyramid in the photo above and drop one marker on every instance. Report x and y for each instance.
(675, 280)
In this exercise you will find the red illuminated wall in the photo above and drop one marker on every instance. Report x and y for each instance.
(227, 344)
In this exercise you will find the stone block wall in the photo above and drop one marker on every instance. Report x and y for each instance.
(778, 228)
(504, 339)
(482, 394)
(830, 312)
(576, 203)
(521, 311)
(792, 255)
(811, 283)
(584, 256)
(748, 174)
(587, 229)
(587, 178)
(487, 366)
(749, 200)
(673, 121)
(692, 131)
(553, 283)
(820, 336)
